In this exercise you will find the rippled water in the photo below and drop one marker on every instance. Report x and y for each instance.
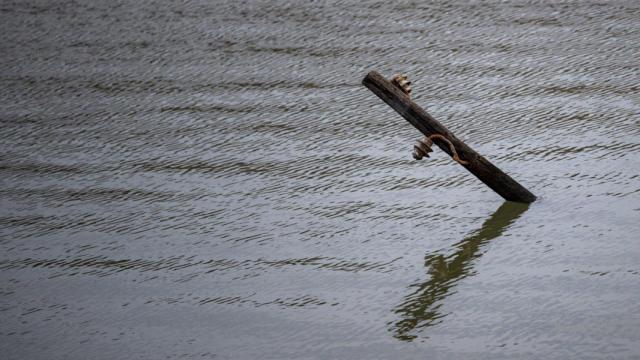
(209, 179)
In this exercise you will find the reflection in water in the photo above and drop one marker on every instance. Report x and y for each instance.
(421, 308)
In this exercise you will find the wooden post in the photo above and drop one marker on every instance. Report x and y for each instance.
(488, 173)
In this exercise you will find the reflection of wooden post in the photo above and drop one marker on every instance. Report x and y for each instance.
(488, 173)
(421, 308)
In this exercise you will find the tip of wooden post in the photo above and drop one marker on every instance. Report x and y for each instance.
(370, 75)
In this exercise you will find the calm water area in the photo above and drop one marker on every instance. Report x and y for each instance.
(208, 179)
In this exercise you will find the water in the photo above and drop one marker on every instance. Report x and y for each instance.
(210, 179)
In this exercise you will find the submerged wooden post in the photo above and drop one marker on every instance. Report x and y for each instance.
(488, 173)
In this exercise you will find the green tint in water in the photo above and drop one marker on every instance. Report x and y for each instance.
(421, 309)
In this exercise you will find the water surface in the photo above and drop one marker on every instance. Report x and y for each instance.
(209, 179)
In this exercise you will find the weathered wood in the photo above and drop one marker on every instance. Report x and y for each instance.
(484, 170)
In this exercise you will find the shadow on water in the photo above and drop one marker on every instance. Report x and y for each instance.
(422, 307)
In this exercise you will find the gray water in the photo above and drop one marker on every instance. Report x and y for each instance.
(210, 180)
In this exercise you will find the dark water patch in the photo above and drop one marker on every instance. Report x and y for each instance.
(137, 86)
(103, 266)
(25, 221)
(42, 168)
(170, 86)
(538, 21)
(276, 50)
(271, 128)
(229, 109)
(292, 302)
(205, 109)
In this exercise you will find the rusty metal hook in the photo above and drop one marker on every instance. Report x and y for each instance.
(423, 147)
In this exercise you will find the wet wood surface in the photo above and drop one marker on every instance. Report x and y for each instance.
(479, 166)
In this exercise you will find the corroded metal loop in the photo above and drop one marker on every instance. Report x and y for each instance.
(422, 148)
(402, 82)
